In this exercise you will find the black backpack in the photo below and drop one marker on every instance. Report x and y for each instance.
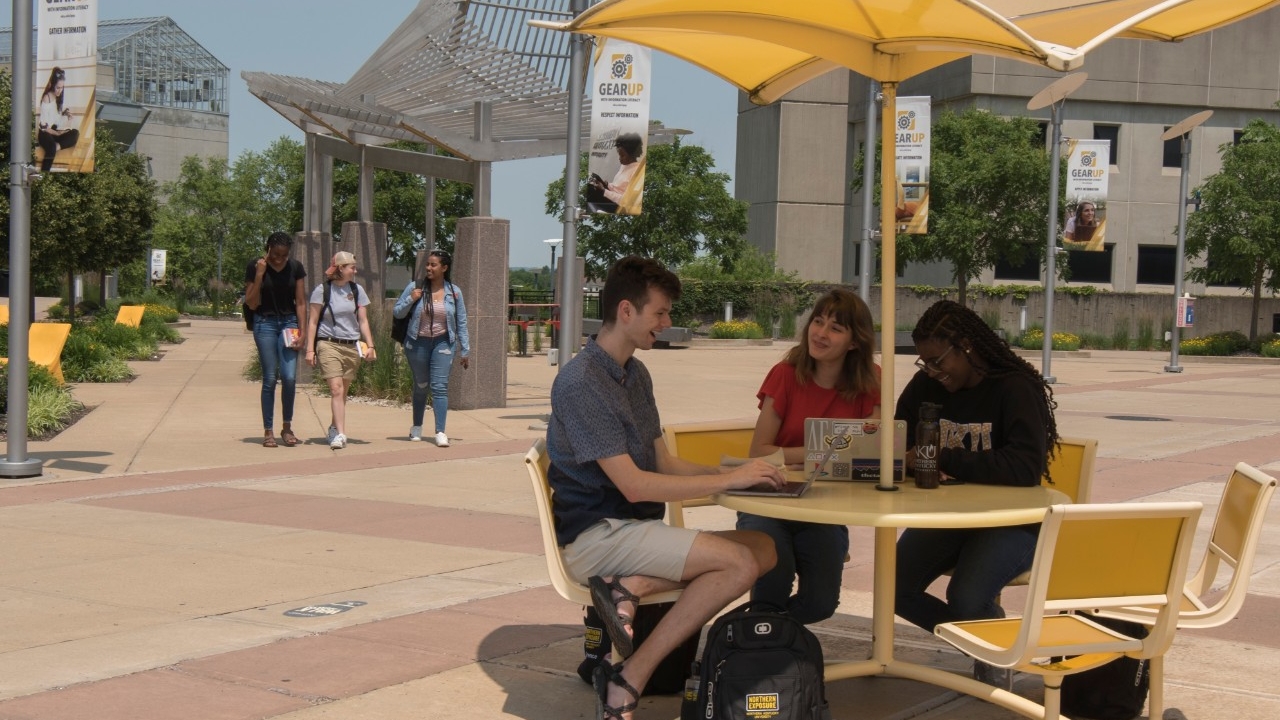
(760, 663)
(1115, 691)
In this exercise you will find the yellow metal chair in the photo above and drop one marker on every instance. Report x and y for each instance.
(1233, 543)
(1090, 557)
(705, 443)
(537, 463)
(44, 346)
(130, 315)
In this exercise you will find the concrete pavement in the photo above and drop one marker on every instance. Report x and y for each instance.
(166, 565)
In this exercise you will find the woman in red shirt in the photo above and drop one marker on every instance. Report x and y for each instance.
(830, 374)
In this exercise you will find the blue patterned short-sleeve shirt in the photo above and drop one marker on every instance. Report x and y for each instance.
(599, 410)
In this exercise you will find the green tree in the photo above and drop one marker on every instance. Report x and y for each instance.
(988, 195)
(214, 214)
(687, 211)
(91, 221)
(1237, 227)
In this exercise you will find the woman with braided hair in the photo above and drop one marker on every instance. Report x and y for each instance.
(998, 429)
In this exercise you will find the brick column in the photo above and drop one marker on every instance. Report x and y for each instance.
(368, 242)
(480, 267)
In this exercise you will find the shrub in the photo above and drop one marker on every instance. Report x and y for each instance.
(38, 376)
(1146, 333)
(387, 377)
(1218, 344)
(1033, 339)
(85, 358)
(1271, 349)
(1120, 335)
(49, 404)
(49, 409)
(1095, 342)
(1256, 345)
(737, 329)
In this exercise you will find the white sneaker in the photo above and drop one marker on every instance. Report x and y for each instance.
(442, 440)
(338, 442)
(415, 433)
(331, 434)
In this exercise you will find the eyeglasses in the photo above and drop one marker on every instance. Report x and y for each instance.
(934, 365)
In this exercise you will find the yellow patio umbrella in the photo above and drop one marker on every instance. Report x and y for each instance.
(768, 48)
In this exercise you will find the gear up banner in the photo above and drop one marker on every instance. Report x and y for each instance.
(619, 127)
(1088, 162)
(65, 83)
(911, 132)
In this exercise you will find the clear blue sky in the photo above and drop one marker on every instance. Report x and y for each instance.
(330, 39)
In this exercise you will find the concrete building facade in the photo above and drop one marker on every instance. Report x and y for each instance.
(796, 158)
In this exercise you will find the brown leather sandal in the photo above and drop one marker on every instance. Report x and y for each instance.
(288, 437)
(615, 623)
(269, 441)
(603, 676)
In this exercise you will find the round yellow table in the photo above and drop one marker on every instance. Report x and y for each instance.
(949, 506)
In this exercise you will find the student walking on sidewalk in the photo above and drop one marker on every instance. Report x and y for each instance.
(337, 322)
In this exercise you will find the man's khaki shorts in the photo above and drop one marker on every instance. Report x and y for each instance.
(629, 547)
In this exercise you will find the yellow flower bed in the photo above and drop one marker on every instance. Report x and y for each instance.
(737, 329)
(1034, 339)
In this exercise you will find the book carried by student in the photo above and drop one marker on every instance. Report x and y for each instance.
(362, 347)
(292, 337)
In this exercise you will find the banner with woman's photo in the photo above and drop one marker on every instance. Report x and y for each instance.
(911, 135)
(619, 127)
(66, 78)
(1088, 162)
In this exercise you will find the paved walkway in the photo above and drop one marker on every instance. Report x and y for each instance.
(150, 573)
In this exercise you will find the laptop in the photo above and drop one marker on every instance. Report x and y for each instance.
(794, 488)
(856, 446)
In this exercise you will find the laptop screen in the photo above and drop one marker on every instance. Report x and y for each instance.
(857, 446)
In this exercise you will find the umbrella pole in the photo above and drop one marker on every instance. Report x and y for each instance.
(888, 275)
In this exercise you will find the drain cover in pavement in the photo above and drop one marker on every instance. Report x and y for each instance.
(1137, 418)
(311, 611)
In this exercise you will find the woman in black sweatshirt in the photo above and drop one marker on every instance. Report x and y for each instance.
(997, 428)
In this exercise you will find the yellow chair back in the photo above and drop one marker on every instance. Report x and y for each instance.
(704, 443)
(130, 315)
(1071, 469)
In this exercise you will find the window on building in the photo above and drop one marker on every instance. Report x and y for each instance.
(1173, 152)
(1042, 134)
(1028, 270)
(1156, 264)
(1091, 267)
(1112, 133)
(1235, 137)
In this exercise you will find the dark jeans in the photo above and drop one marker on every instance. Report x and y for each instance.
(279, 364)
(811, 551)
(983, 561)
(50, 143)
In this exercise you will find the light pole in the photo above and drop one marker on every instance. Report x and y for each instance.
(1054, 97)
(1182, 129)
(554, 243)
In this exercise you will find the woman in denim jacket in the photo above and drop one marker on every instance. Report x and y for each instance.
(436, 329)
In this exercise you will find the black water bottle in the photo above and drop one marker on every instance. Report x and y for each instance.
(928, 434)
